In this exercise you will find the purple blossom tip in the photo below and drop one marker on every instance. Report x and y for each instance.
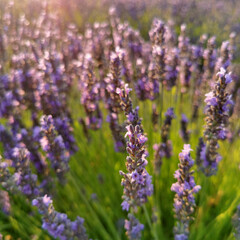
(210, 99)
(222, 73)
(47, 200)
(186, 149)
(184, 118)
(125, 206)
(170, 113)
(34, 202)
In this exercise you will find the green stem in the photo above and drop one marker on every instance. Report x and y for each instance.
(102, 230)
(149, 223)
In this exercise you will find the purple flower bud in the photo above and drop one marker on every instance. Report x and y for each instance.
(184, 187)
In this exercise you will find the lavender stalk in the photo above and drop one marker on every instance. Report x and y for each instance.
(137, 182)
(185, 187)
(57, 224)
(217, 109)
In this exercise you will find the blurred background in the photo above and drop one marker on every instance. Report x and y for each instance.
(213, 17)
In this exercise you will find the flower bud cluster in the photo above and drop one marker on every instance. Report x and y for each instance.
(57, 224)
(54, 146)
(217, 114)
(185, 187)
(164, 149)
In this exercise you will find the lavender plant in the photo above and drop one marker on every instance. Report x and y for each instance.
(90, 94)
(143, 86)
(157, 36)
(113, 102)
(5, 204)
(57, 224)
(185, 187)
(217, 108)
(22, 180)
(54, 146)
(164, 149)
(184, 132)
(137, 182)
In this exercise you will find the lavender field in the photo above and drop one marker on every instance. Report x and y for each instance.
(119, 120)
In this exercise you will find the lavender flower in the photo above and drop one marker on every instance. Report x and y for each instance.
(23, 177)
(137, 182)
(8, 141)
(157, 36)
(184, 133)
(172, 68)
(117, 130)
(133, 227)
(5, 204)
(157, 32)
(158, 53)
(5, 175)
(31, 140)
(57, 224)
(217, 118)
(64, 128)
(164, 149)
(153, 81)
(114, 82)
(224, 60)
(185, 187)
(185, 74)
(209, 55)
(183, 42)
(90, 94)
(54, 146)
(170, 37)
(126, 64)
(200, 146)
(157, 64)
(126, 104)
(143, 86)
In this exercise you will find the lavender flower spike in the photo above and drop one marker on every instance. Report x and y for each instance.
(185, 187)
(164, 149)
(57, 224)
(113, 82)
(54, 146)
(137, 182)
(5, 204)
(90, 95)
(24, 179)
(184, 132)
(217, 111)
(133, 227)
